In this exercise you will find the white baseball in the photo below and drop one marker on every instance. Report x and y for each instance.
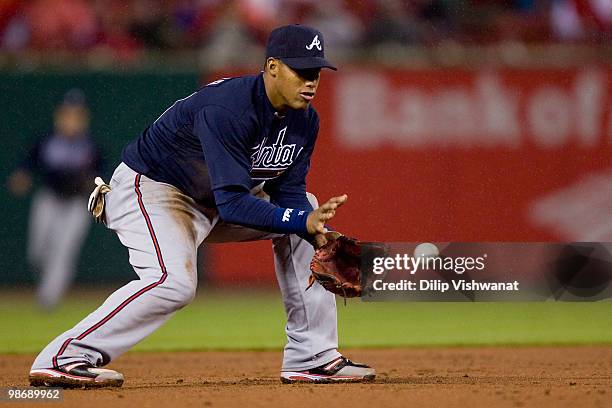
(426, 250)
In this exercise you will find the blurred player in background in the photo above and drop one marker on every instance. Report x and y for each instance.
(65, 160)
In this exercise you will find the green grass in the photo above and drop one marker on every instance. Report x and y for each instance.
(255, 320)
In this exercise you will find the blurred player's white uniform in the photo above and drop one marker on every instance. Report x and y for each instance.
(66, 159)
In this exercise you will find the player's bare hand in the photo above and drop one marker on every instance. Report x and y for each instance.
(317, 218)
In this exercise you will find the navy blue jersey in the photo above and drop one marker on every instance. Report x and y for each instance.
(218, 143)
(66, 166)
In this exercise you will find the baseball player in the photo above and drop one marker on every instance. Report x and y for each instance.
(65, 159)
(226, 163)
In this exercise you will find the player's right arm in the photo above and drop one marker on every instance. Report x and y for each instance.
(225, 141)
(289, 190)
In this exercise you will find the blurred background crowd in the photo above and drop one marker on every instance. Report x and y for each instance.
(125, 31)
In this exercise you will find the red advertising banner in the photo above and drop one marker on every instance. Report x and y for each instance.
(457, 155)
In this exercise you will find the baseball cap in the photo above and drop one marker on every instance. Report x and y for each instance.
(298, 46)
(74, 97)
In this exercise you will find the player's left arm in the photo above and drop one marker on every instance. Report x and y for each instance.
(225, 140)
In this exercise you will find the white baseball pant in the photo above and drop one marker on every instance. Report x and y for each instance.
(162, 229)
(57, 230)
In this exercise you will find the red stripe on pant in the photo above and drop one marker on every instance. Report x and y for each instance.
(135, 295)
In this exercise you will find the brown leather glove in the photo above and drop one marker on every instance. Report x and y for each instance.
(337, 267)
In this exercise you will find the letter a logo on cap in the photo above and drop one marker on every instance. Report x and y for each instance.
(315, 43)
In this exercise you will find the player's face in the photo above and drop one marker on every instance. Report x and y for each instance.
(297, 87)
(71, 121)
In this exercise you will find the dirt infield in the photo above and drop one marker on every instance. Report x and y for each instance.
(451, 377)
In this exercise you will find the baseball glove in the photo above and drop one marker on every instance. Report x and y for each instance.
(337, 267)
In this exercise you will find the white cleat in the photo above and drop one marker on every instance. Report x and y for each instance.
(338, 370)
(75, 375)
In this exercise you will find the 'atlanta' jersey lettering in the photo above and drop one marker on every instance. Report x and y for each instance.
(270, 161)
